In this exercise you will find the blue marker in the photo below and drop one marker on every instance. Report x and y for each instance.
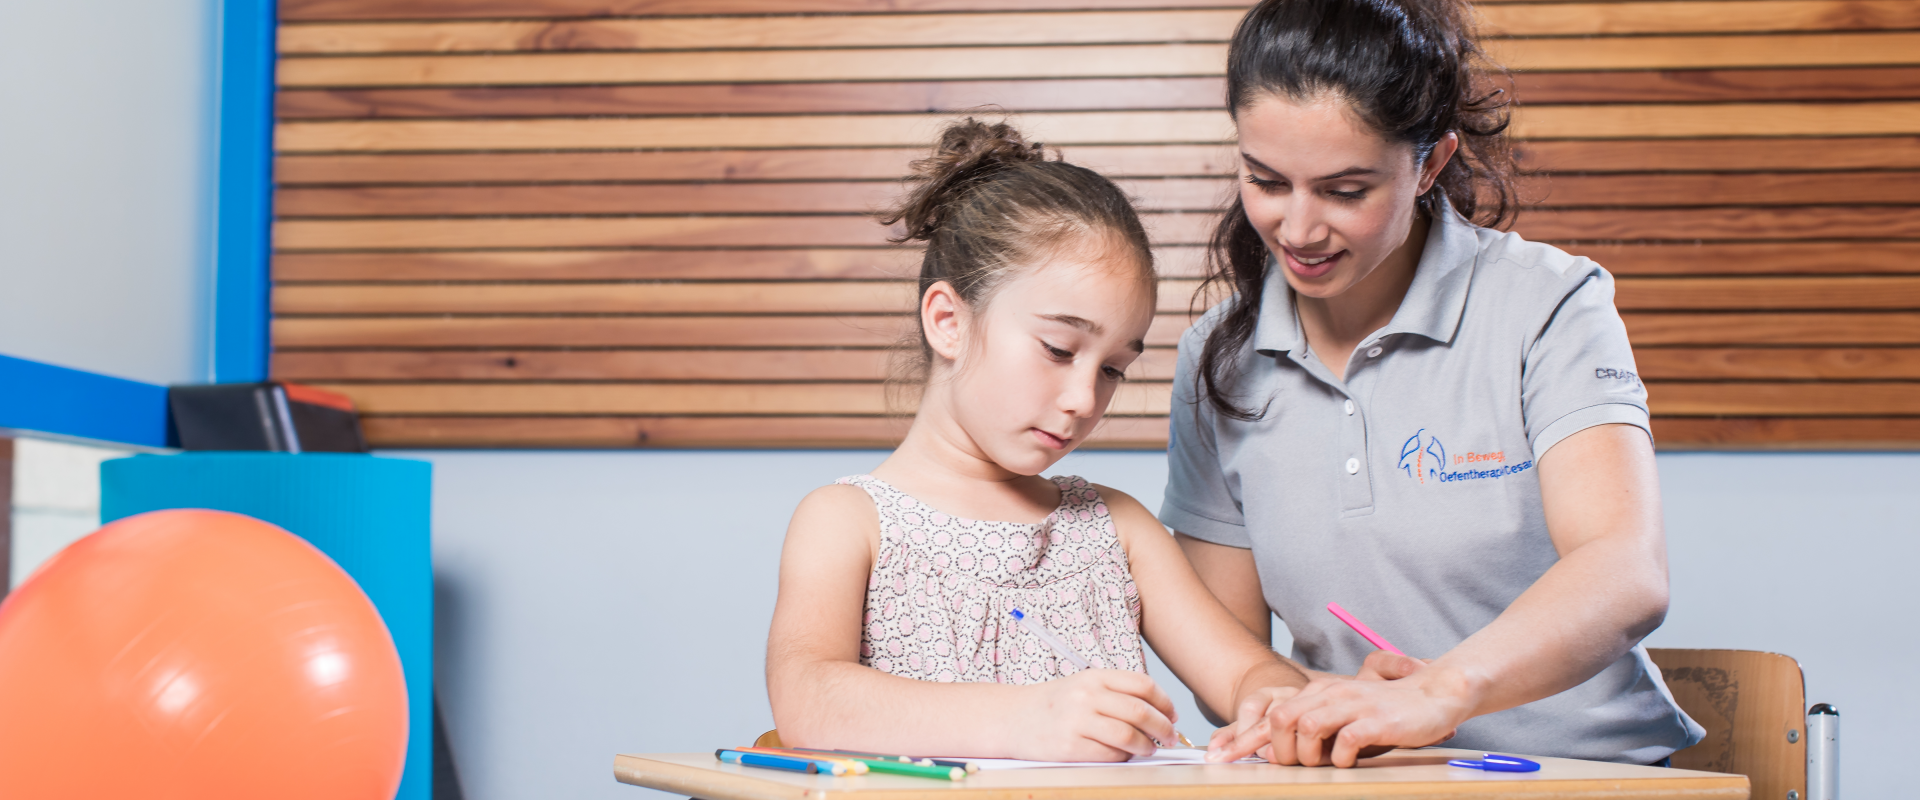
(1494, 762)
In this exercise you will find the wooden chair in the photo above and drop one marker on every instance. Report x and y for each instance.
(769, 739)
(1754, 707)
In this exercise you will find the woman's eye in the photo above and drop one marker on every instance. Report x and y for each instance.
(1353, 194)
(1264, 184)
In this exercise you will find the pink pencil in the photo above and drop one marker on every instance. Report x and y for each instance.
(1362, 629)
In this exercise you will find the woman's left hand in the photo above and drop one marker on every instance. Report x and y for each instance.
(1339, 722)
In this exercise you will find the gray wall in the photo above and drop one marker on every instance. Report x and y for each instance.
(592, 603)
(105, 184)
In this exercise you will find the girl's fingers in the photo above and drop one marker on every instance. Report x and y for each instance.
(1144, 687)
(1147, 723)
(1125, 738)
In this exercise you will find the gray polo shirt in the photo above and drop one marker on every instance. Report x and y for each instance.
(1408, 492)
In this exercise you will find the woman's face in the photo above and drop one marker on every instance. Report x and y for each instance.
(1034, 372)
(1331, 198)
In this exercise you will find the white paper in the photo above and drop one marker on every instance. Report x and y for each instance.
(1164, 757)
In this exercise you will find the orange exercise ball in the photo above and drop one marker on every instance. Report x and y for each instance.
(197, 654)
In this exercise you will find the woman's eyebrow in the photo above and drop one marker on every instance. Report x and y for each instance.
(1345, 173)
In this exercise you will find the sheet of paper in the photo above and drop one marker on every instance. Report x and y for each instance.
(1166, 756)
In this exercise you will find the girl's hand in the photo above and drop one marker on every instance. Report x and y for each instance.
(1094, 715)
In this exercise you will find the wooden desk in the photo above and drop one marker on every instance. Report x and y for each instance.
(1402, 774)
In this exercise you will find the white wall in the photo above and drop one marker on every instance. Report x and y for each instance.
(56, 499)
(592, 603)
(105, 168)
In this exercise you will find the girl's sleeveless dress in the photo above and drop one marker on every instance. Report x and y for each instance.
(941, 589)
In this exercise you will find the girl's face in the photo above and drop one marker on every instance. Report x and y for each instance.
(1031, 375)
(1331, 198)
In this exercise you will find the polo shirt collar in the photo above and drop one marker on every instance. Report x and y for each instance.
(1433, 305)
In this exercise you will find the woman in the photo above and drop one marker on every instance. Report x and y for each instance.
(1432, 423)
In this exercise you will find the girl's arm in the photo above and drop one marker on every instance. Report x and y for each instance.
(1606, 593)
(1205, 644)
(823, 697)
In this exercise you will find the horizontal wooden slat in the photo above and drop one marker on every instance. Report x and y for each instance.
(738, 231)
(1775, 258)
(705, 432)
(344, 10)
(756, 297)
(1708, 86)
(1681, 433)
(1874, 48)
(1133, 398)
(669, 332)
(1778, 363)
(1062, 128)
(1091, 94)
(947, 29)
(721, 33)
(710, 165)
(1826, 222)
(903, 63)
(1721, 155)
(836, 197)
(1686, 16)
(1095, 94)
(1676, 399)
(603, 265)
(1177, 194)
(1156, 364)
(1726, 293)
(1653, 328)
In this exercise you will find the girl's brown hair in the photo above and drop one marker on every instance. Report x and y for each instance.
(987, 202)
(1412, 70)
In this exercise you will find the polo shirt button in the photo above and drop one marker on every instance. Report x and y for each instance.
(1374, 352)
(1353, 466)
(1349, 408)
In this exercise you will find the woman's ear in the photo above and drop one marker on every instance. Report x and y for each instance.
(943, 318)
(1443, 151)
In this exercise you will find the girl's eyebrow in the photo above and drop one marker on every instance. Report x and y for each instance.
(1345, 173)
(1090, 326)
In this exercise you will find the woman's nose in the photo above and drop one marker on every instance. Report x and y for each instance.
(1304, 224)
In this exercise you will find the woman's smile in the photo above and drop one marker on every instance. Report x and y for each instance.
(1311, 265)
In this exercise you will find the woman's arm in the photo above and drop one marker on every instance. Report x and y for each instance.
(823, 697)
(1608, 591)
(1208, 647)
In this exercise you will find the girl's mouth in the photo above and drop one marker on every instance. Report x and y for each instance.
(1312, 266)
(1050, 440)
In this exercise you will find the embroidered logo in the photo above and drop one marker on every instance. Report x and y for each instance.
(1423, 457)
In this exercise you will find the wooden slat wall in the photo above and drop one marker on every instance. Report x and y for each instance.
(642, 222)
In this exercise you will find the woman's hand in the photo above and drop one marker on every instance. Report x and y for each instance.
(1339, 722)
(1093, 715)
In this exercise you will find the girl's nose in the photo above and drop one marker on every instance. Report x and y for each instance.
(1080, 397)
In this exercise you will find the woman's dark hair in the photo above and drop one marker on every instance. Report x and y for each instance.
(1411, 70)
(988, 202)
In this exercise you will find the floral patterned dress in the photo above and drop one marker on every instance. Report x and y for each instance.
(941, 589)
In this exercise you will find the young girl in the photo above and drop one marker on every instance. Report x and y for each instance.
(893, 631)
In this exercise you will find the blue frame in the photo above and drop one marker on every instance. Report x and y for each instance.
(43, 398)
(243, 217)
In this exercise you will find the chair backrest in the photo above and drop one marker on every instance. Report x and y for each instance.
(769, 739)
(1754, 707)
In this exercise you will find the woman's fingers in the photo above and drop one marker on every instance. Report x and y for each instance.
(1382, 665)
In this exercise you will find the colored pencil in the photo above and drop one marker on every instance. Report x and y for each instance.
(924, 761)
(852, 765)
(1362, 629)
(768, 761)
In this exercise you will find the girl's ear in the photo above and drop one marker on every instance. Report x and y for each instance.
(1443, 151)
(943, 320)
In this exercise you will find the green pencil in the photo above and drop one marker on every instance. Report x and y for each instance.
(916, 770)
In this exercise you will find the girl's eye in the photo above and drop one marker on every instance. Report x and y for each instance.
(1056, 353)
(1114, 374)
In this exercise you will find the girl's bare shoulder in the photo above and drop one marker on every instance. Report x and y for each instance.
(1130, 518)
(834, 511)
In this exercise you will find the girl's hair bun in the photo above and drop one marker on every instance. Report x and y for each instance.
(969, 152)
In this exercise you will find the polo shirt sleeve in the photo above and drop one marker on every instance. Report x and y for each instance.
(1579, 368)
(1199, 501)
